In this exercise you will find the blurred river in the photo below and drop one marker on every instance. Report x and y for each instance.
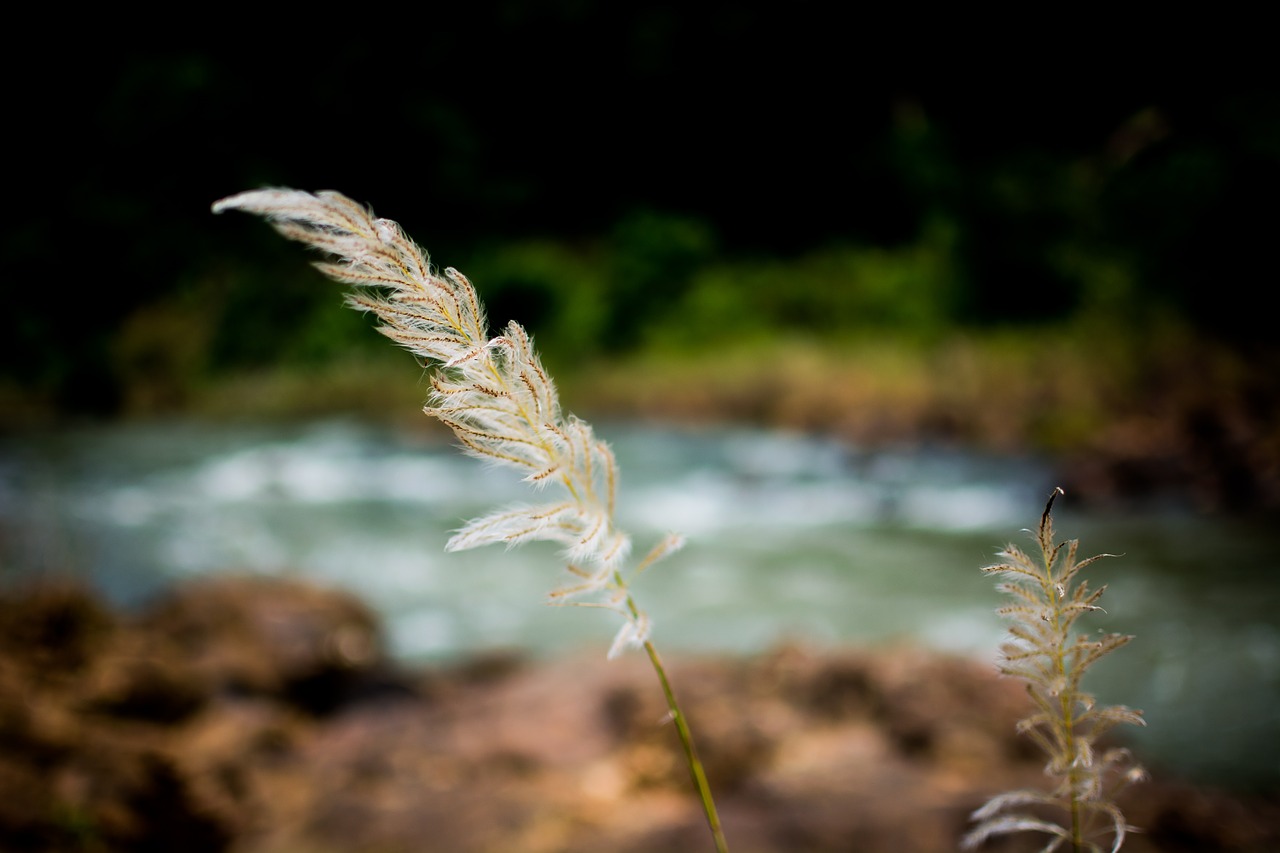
(790, 538)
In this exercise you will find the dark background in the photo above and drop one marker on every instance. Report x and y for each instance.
(1050, 154)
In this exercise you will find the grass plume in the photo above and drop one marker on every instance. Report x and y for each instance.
(501, 405)
(1067, 723)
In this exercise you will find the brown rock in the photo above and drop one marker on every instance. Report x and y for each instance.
(188, 729)
(313, 647)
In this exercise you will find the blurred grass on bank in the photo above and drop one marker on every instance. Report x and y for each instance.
(1059, 391)
(876, 345)
(866, 342)
(1171, 417)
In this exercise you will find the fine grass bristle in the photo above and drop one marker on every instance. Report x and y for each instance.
(1066, 723)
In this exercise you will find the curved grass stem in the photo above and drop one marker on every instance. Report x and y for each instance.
(690, 752)
(696, 769)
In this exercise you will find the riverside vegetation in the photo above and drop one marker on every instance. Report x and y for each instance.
(502, 406)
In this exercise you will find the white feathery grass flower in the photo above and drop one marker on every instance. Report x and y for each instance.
(491, 391)
(1046, 652)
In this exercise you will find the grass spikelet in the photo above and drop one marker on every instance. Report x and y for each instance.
(1046, 653)
(502, 406)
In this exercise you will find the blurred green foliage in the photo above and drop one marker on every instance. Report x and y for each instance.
(615, 176)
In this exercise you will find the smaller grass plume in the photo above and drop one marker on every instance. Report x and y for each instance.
(1045, 652)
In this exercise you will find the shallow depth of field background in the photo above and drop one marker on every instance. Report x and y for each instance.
(847, 308)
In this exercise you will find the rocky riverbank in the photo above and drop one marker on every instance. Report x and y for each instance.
(1120, 421)
(263, 716)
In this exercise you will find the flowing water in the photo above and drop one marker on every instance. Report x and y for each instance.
(790, 538)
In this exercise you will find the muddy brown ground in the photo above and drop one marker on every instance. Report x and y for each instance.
(262, 716)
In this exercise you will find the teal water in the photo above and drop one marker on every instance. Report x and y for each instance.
(791, 538)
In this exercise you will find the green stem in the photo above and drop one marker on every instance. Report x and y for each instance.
(686, 736)
(690, 754)
(1067, 701)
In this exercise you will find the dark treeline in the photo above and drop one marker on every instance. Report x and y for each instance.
(662, 138)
